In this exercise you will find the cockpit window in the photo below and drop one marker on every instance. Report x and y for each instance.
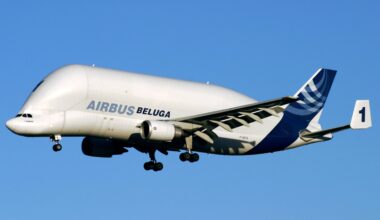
(38, 85)
(24, 115)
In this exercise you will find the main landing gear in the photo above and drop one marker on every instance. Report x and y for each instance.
(188, 156)
(57, 146)
(153, 164)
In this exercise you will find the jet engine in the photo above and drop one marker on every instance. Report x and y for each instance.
(160, 131)
(100, 147)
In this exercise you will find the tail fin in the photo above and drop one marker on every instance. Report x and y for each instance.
(301, 114)
(312, 96)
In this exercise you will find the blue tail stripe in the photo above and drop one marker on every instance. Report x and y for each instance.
(298, 115)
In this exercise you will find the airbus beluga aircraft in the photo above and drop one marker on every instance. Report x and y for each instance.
(115, 110)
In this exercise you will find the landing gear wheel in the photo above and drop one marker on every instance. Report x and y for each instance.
(149, 165)
(182, 157)
(153, 164)
(194, 157)
(185, 156)
(189, 157)
(158, 166)
(57, 147)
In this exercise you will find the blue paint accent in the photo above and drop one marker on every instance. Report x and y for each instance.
(298, 115)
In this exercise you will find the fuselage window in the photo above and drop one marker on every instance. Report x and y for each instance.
(18, 115)
(38, 85)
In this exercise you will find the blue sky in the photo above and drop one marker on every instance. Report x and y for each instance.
(265, 49)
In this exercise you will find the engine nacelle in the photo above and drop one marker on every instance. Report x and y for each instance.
(160, 131)
(100, 147)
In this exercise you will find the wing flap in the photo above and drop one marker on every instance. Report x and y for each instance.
(252, 116)
(247, 109)
(204, 137)
(201, 126)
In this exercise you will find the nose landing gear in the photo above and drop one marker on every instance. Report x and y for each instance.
(57, 146)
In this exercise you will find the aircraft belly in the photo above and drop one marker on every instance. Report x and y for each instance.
(79, 123)
(99, 125)
(123, 128)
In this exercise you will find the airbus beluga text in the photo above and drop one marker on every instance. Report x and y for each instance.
(116, 110)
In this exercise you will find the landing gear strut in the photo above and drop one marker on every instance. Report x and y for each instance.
(188, 156)
(57, 146)
(153, 164)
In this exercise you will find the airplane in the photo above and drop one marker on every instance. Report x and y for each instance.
(115, 111)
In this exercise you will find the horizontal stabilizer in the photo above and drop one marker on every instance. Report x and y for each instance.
(361, 119)
(319, 134)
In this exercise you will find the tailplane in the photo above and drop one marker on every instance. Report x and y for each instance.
(361, 119)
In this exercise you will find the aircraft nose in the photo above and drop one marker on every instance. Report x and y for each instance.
(14, 125)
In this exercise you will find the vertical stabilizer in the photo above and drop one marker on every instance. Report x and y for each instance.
(299, 115)
(312, 96)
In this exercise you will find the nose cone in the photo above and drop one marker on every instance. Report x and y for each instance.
(15, 125)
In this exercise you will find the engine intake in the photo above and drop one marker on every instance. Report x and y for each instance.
(160, 131)
(100, 147)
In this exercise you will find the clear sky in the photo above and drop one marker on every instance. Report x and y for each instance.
(265, 49)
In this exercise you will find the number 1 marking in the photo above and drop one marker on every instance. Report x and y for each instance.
(362, 112)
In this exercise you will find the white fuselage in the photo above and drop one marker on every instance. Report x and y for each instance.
(80, 100)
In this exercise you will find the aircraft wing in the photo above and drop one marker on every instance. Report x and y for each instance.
(231, 118)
